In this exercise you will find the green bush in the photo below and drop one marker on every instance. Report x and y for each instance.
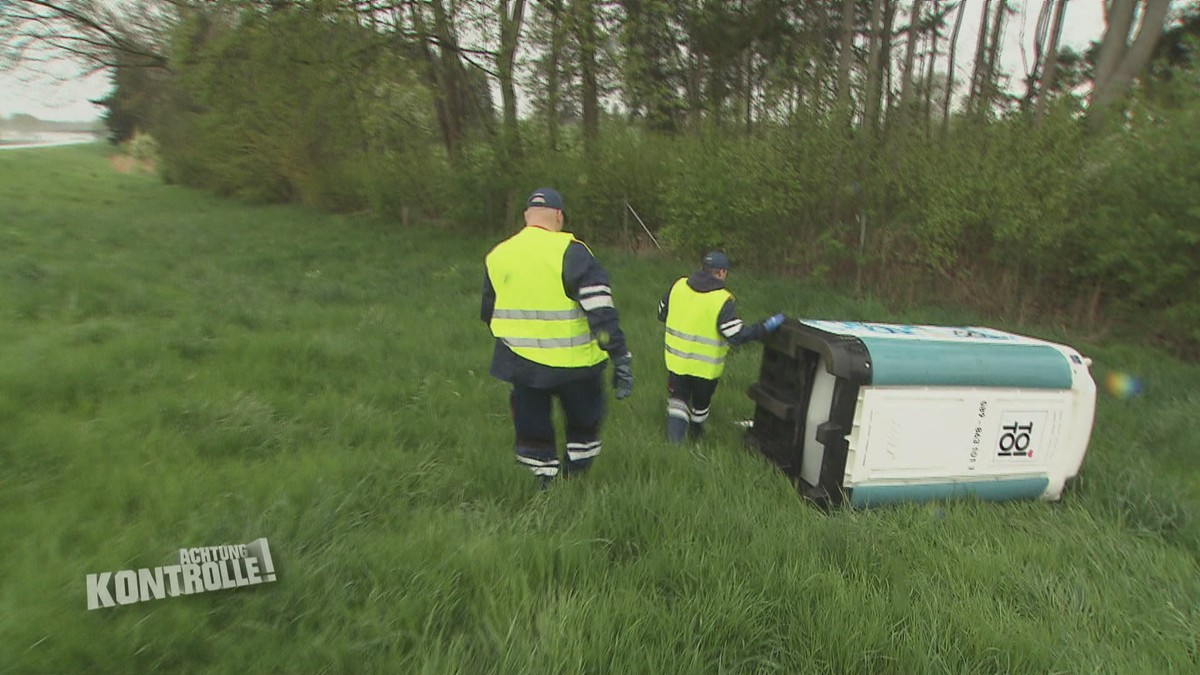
(295, 107)
(142, 147)
(1142, 234)
(302, 105)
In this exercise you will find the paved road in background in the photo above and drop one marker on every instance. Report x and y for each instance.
(51, 144)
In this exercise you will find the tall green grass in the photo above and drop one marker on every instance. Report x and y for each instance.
(177, 370)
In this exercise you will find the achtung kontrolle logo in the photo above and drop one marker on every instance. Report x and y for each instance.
(198, 570)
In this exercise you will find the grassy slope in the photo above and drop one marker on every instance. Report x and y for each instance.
(177, 370)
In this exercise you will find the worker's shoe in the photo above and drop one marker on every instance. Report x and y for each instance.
(543, 482)
(696, 430)
(575, 469)
(677, 430)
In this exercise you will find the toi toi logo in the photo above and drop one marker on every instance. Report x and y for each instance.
(211, 568)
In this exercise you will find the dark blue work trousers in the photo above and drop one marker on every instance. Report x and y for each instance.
(583, 404)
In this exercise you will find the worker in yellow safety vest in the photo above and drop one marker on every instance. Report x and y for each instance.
(549, 305)
(702, 324)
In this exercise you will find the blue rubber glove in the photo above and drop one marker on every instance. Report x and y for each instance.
(774, 322)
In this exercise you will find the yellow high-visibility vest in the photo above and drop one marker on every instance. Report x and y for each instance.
(693, 344)
(533, 314)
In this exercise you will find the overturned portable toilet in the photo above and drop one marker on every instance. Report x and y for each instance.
(870, 414)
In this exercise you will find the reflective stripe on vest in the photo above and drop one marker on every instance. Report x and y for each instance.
(533, 315)
(693, 344)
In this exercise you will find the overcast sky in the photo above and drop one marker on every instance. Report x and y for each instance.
(65, 95)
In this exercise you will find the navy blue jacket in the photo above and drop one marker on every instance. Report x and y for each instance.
(584, 281)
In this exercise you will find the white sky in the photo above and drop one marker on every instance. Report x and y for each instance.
(66, 96)
(1082, 23)
(52, 92)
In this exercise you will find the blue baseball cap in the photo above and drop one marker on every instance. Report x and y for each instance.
(547, 198)
(715, 261)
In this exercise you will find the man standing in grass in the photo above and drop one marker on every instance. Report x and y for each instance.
(702, 323)
(550, 308)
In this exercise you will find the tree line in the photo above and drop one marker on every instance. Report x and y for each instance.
(875, 143)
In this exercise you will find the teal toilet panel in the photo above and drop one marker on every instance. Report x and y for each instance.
(986, 490)
(933, 363)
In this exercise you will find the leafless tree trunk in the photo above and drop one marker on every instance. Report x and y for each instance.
(1040, 35)
(694, 96)
(845, 57)
(909, 58)
(874, 70)
(1119, 61)
(452, 60)
(552, 82)
(1050, 70)
(584, 25)
(1112, 47)
(446, 97)
(844, 104)
(511, 20)
(821, 72)
(933, 53)
(980, 57)
(749, 85)
(950, 69)
(885, 82)
(987, 86)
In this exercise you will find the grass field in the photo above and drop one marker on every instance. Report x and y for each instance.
(177, 370)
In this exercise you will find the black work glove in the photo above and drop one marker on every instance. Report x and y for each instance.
(622, 377)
